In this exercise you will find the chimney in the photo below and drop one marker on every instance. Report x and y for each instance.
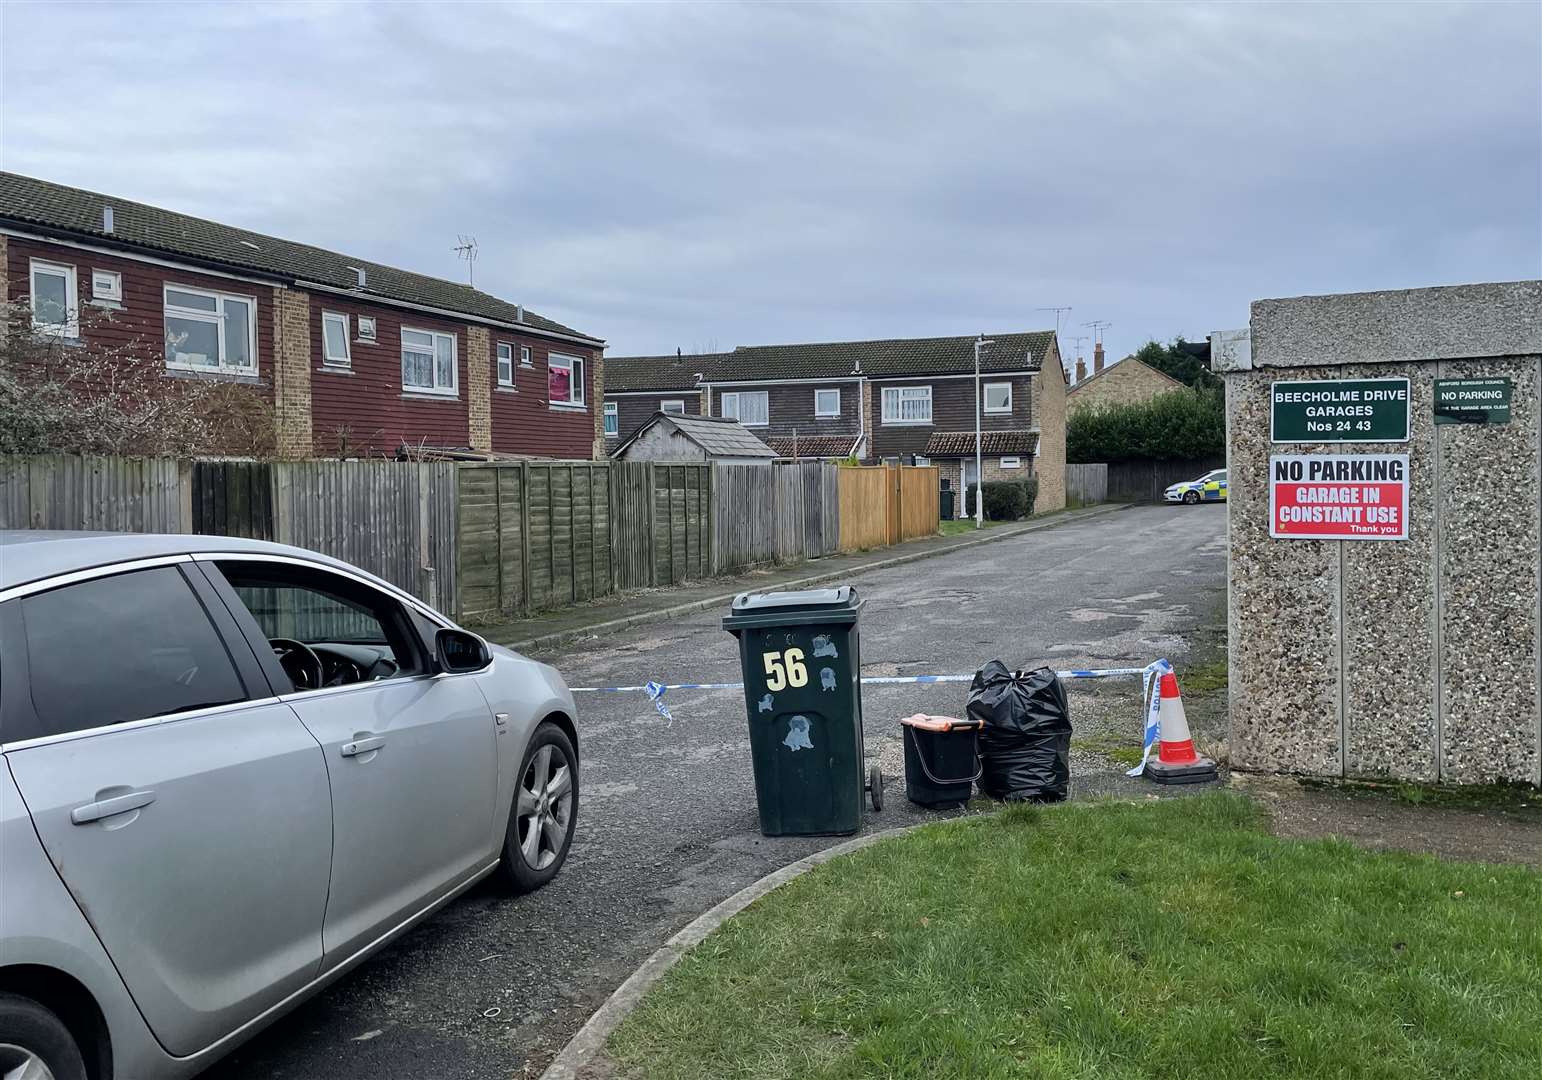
(1097, 358)
(1081, 370)
(107, 219)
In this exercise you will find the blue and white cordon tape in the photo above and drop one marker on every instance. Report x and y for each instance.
(1150, 675)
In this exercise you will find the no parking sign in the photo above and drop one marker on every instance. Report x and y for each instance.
(1338, 496)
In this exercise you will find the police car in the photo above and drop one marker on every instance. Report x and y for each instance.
(1208, 488)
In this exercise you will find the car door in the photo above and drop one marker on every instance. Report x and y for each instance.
(411, 755)
(183, 806)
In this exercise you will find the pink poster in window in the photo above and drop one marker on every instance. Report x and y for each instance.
(557, 381)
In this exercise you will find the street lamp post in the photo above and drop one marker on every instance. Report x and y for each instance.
(979, 479)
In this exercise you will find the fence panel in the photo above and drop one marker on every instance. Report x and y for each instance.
(631, 524)
(744, 514)
(864, 507)
(1144, 481)
(919, 501)
(61, 491)
(1086, 485)
(682, 522)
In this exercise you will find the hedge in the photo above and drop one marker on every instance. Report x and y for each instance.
(1180, 424)
(1008, 500)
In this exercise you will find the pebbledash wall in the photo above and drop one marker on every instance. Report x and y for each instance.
(1417, 659)
(360, 408)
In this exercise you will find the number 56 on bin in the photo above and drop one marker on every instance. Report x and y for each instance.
(784, 669)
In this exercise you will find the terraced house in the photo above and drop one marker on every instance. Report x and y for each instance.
(355, 357)
(909, 400)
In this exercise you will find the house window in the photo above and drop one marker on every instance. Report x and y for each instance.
(524, 357)
(674, 407)
(505, 364)
(55, 308)
(334, 340)
(612, 418)
(565, 379)
(922, 461)
(907, 405)
(1011, 463)
(209, 331)
(428, 362)
(750, 408)
(827, 402)
(107, 285)
(998, 398)
(366, 328)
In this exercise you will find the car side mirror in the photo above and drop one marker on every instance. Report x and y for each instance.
(458, 652)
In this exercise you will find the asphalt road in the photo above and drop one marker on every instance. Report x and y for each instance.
(493, 986)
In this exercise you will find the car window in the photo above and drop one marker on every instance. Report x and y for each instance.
(122, 648)
(354, 633)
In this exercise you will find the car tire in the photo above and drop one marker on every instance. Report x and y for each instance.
(29, 1031)
(528, 864)
(1191, 497)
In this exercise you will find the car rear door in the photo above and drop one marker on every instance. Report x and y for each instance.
(185, 808)
(411, 756)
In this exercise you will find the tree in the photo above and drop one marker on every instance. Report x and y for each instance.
(1180, 424)
(98, 394)
(1177, 359)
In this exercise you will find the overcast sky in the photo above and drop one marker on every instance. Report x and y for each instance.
(710, 175)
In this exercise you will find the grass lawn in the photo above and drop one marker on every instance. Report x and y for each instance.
(1112, 941)
(966, 525)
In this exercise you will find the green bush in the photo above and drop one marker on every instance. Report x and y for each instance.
(1008, 500)
(1180, 424)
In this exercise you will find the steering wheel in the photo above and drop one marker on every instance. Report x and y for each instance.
(311, 675)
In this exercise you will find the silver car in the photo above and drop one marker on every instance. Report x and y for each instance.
(233, 770)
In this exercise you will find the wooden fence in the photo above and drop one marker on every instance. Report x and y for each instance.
(1085, 485)
(887, 504)
(783, 513)
(394, 519)
(1144, 481)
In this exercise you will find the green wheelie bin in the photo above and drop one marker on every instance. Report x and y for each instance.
(803, 695)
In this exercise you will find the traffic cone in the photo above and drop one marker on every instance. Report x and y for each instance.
(1176, 761)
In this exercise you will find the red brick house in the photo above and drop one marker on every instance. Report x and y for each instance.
(356, 357)
(907, 400)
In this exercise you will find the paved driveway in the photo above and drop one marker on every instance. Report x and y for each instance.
(492, 987)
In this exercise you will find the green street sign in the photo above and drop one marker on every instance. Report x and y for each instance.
(1339, 410)
(1472, 401)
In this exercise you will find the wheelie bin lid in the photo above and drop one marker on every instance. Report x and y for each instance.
(940, 723)
(815, 607)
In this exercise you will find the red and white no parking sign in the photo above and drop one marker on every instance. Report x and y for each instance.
(1338, 496)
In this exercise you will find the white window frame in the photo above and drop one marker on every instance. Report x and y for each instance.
(612, 419)
(735, 396)
(922, 461)
(113, 280)
(327, 359)
(564, 360)
(985, 397)
(525, 359)
(673, 406)
(70, 327)
(367, 328)
(217, 317)
(505, 354)
(453, 390)
(892, 416)
(1012, 461)
(836, 390)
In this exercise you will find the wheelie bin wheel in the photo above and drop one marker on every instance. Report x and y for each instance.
(875, 787)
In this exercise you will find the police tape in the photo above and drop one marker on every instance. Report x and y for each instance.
(1151, 676)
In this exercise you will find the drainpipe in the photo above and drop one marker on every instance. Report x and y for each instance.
(979, 472)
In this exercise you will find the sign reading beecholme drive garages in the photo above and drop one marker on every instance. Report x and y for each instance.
(1339, 410)
(1338, 496)
(1472, 401)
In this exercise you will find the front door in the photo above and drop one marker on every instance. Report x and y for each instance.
(187, 816)
(411, 756)
(971, 476)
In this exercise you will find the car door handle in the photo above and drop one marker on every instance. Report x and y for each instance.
(118, 804)
(362, 746)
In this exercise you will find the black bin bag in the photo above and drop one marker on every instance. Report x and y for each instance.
(1025, 743)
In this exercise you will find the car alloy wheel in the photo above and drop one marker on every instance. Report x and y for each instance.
(19, 1063)
(1191, 497)
(545, 807)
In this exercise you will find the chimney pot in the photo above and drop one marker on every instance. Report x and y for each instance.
(1081, 369)
(1097, 358)
(107, 219)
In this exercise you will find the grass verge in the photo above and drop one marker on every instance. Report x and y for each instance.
(1111, 941)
